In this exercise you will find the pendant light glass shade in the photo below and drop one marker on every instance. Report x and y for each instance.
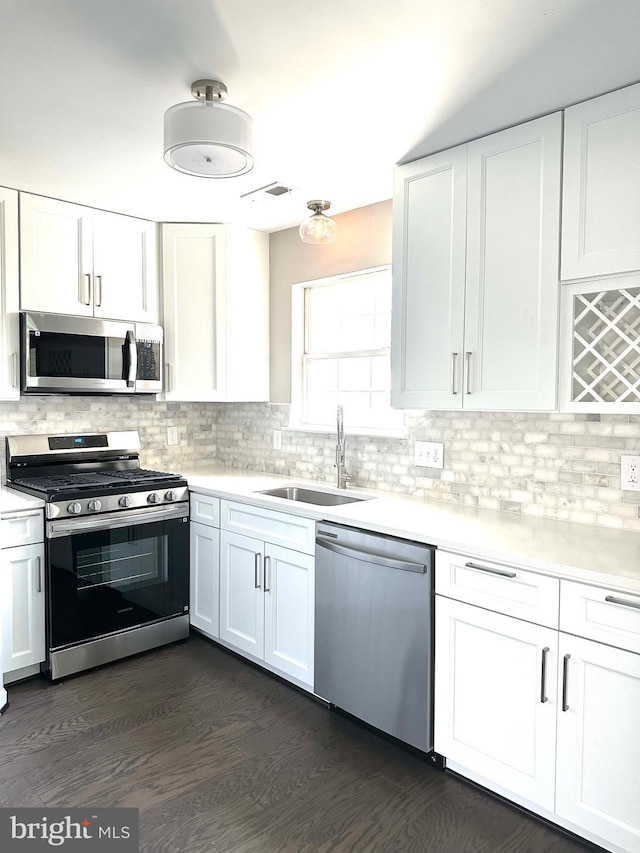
(318, 228)
(206, 138)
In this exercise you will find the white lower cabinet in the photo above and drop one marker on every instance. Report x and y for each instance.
(496, 697)
(549, 718)
(267, 590)
(22, 596)
(204, 588)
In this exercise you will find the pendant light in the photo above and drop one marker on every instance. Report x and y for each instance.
(318, 228)
(207, 138)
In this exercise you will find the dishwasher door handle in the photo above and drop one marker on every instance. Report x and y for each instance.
(370, 556)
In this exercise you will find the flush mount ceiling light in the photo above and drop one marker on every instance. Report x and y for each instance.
(318, 228)
(207, 138)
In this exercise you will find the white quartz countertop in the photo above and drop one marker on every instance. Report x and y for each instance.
(14, 501)
(580, 552)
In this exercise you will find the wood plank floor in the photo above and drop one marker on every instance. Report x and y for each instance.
(221, 757)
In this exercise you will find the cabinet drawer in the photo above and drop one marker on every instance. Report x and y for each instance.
(22, 528)
(600, 614)
(498, 587)
(204, 509)
(290, 531)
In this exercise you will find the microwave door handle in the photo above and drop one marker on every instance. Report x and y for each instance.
(133, 359)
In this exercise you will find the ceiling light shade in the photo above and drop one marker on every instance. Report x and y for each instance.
(206, 138)
(318, 228)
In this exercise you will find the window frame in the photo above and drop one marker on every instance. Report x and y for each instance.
(299, 328)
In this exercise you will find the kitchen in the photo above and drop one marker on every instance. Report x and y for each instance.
(562, 466)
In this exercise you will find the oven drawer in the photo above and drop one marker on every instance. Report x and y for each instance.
(604, 615)
(21, 528)
(499, 587)
(205, 509)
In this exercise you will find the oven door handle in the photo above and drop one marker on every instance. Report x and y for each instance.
(68, 527)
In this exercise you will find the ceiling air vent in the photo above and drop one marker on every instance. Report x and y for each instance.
(269, 191)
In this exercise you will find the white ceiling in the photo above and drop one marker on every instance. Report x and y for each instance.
(339, 90)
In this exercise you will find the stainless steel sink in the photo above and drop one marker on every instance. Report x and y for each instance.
(311, 496)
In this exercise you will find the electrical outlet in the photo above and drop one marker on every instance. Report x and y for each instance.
(172, 435)
(429, 454)
(277, 439)
(630, 473)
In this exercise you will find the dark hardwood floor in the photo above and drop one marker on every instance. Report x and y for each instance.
(221, 757)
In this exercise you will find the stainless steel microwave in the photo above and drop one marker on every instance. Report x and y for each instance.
(61, 354)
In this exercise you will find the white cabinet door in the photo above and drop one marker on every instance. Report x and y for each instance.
(512, 295)
(9, 296)
(429, 233)
(125, 281)
(495, 712)
(241, 592)
(216, 312)
(289, 586)
(193, 272)
(56, 256)
(205, 579)
(598, 774)
(601, 186)
(22, 585)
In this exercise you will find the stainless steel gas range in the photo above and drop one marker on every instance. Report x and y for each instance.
(116, 546)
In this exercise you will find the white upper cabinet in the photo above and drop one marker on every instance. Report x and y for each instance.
(9, 296)
(601, 186)
(216, 312)
(476, 246)
(76, 260)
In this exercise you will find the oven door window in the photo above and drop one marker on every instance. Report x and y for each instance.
(110, 580)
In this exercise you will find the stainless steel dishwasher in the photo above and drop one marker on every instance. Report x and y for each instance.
(374, 630)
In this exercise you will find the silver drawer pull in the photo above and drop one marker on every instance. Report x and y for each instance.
(499, 572)
(613, 600)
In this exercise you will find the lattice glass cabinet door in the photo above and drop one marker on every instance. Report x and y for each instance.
(600, 365)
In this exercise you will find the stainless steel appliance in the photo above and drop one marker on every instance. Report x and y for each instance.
(61, 354)
(116, 546)
(374, 630)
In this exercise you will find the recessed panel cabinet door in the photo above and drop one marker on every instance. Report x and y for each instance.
(205, 579)
(429, 281)
(22, 598)
(598, 776)
(601, 186)
(512, 296)
(289, 586)
(495, 685)
(9, 296)
(241, 592)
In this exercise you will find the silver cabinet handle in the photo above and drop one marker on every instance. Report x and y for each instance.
(14, 369)
(543, 676)
(39, 566)
(98, 290)
(454, 358)
(169, 375)
(256, 570)
(267, 572)
(499, 572)
(613, 600)
(86, 298)
(467, 367)
(565, 668)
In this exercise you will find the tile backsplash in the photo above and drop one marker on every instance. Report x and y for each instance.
(545, 464)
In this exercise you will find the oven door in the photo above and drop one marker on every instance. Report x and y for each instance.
(77, 355)
(106, 575)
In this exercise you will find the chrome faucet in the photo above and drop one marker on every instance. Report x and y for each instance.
(343, 475)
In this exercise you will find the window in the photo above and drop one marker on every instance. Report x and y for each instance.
(341, 335)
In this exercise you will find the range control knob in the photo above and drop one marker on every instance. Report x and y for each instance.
(74, 508)
(94, 505)
(171, 495)
(153, 498)
(125, 501)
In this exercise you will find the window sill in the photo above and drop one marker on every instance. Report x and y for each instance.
(367, 432)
